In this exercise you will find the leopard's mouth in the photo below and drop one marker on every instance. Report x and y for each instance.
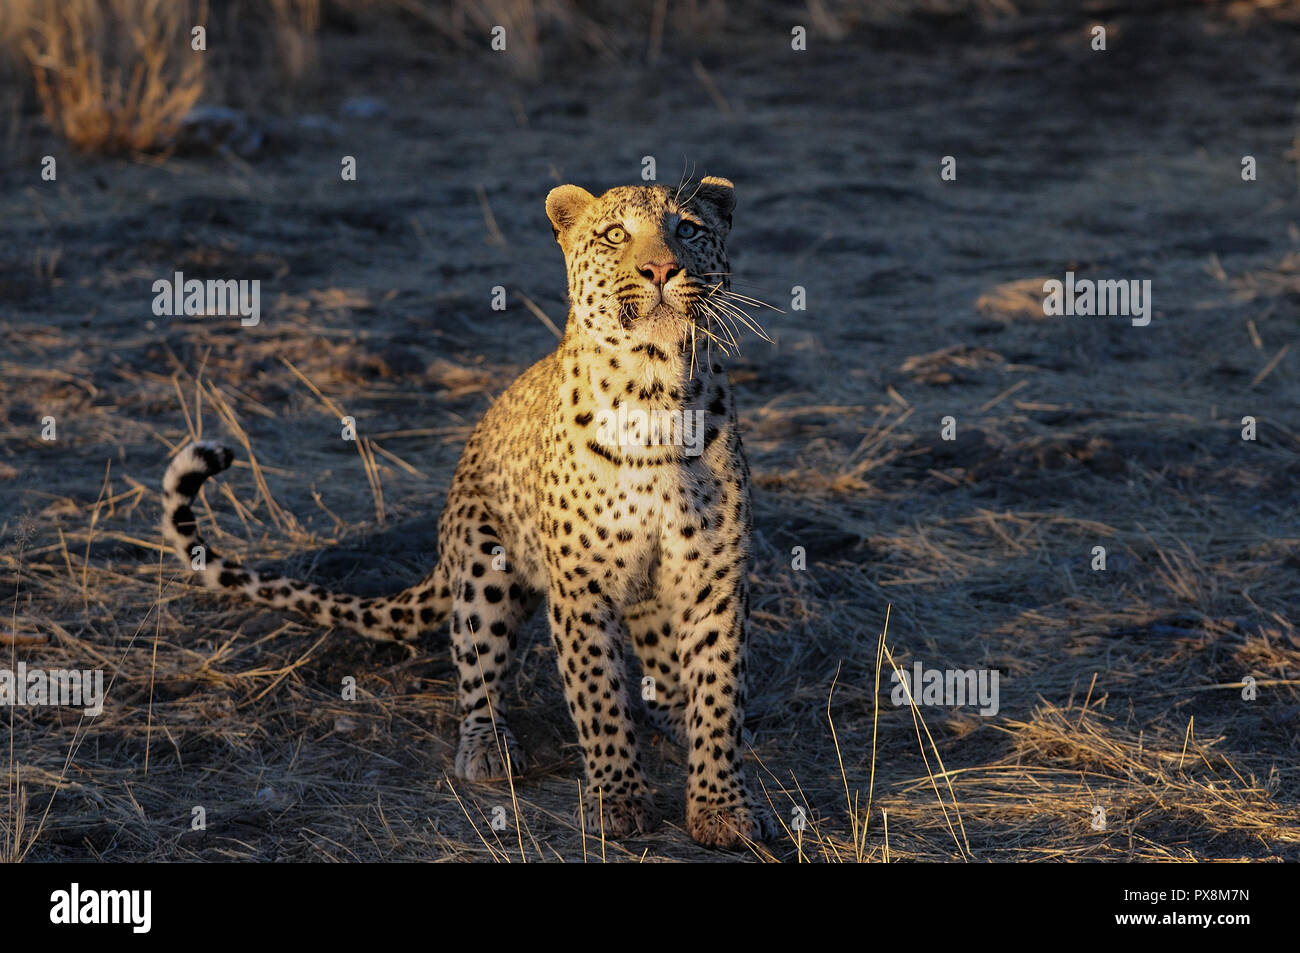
(629, 314)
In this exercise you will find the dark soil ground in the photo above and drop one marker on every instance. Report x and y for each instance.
(1121, 691)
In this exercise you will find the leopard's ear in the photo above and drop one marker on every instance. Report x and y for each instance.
(720, 194)
(564, 204)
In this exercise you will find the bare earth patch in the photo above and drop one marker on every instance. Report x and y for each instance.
(1123, 730)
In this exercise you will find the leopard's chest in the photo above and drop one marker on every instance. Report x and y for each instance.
(623, 511)
(645, 506)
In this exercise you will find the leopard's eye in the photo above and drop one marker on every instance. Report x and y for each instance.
(687, 229)
(615, 235)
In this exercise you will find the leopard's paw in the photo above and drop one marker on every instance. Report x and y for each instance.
(729, 826)
(617, 815)
(482, 753)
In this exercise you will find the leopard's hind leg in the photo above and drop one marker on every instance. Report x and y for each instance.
(489, 606)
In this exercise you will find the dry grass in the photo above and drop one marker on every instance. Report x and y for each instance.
(1122, 692)
(111, 77)
(116, 76)
(222, 706)
(295, 24)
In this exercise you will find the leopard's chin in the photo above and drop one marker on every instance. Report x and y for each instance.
(661, 324)
(631, 316)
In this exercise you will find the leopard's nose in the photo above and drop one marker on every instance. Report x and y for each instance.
(660, 272)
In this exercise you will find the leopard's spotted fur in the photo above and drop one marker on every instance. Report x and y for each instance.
(612, 533)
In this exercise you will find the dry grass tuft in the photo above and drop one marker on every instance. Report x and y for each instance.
(295, 24)
(1014, 300)
(112, 77)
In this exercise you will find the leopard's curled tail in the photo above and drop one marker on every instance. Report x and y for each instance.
(400, 617)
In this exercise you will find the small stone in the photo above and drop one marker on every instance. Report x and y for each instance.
(363, 107)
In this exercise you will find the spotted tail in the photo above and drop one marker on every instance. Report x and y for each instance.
(400, 617)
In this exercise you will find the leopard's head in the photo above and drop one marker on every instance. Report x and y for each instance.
(646, 264)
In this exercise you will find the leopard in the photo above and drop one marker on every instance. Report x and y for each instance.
(567, 494)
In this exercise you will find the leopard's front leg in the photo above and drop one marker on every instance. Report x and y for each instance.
(707, 549)
(587, 631)
(720, 810)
